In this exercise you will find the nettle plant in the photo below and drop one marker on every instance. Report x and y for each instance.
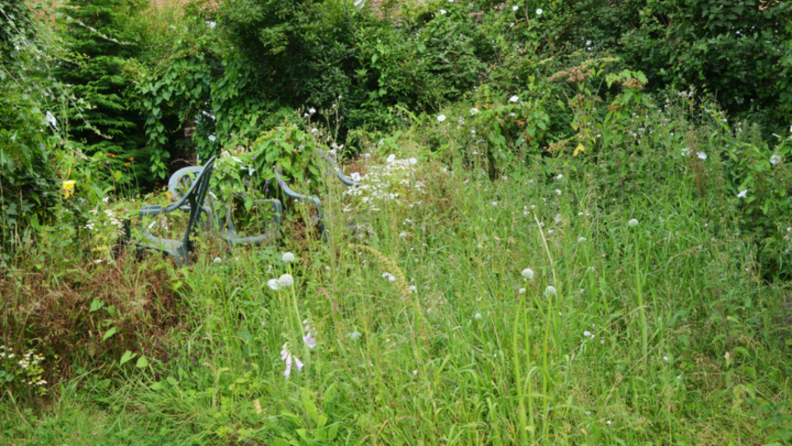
(596, 123)
(249, 169)
(245, 173)
(500, 128)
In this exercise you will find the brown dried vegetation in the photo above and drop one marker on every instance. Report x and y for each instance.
(51, 313)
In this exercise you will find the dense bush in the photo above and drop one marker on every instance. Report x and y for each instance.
(737, 51)
(29, 128)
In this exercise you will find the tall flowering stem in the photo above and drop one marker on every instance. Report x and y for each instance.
(641, 309)
(518, 378)
(549, 296)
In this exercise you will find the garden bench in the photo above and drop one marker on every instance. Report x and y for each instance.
(287, 191)
(191, 201)
(183, 179)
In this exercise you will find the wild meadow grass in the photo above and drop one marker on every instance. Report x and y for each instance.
(639, 322)
(538, 308)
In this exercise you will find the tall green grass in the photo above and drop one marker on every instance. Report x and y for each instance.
(657, 333)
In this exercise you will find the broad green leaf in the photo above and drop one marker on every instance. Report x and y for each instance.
(142, 362)
(109, 333)
(96, 305)
(126, 357)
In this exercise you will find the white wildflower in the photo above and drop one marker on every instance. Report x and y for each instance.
(528, 273)
(514, 99)
(288, 257)
(51, 119)
(474, 111)
(285, 281)
(742, 194)
(477, 316)
(550, 291)
(775, 159)
(539, 11)
(632, 223)
(701, 155)
(441, 118)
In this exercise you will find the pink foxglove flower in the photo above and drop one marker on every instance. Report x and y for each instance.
(309, 338)
(287, 358)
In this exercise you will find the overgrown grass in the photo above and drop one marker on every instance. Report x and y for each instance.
(660, 332)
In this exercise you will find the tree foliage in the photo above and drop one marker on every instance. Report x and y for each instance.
(102, 47)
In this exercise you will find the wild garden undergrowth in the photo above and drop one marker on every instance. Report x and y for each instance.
(609, 297)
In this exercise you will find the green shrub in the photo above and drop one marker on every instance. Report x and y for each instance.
(30, 124)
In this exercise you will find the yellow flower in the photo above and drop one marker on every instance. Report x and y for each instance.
(68, 188)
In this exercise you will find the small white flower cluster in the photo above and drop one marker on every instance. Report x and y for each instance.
(110, 220)
(386, 183)
(391, 278)
(30, 359)
(6, 352)
(30, 363)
